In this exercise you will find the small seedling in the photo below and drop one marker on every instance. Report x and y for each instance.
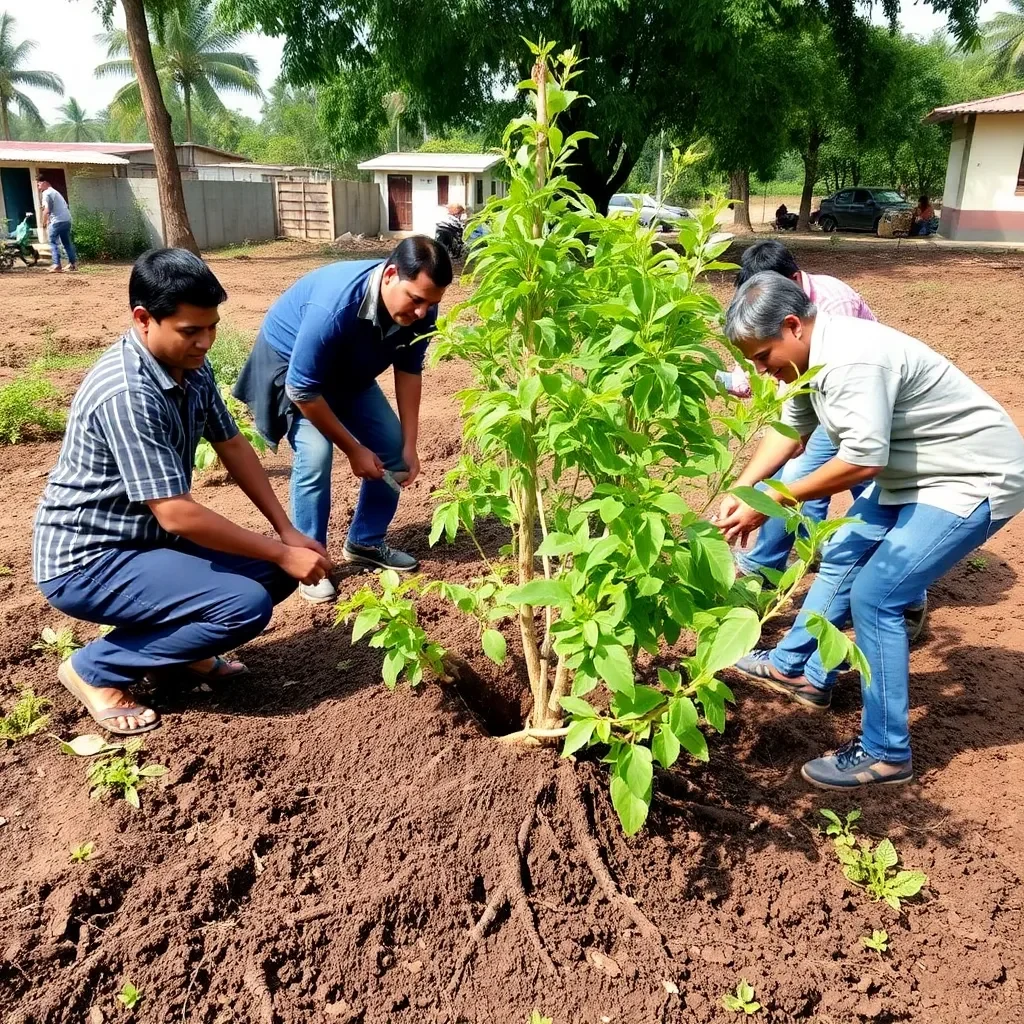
(6, 570)
(119, 775)
(977, 564)
(877, 940)
(26, 718)
(840, 830)
(742, 1000)
(536, 1018)
(129, 996)
(60, 643)
(80, 854)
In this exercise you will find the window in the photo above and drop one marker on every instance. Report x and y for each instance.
(1020, 176)
(442, 190)
(845, 197)
(494, 187)
(862, 195)
(479, 191)
(620, 201)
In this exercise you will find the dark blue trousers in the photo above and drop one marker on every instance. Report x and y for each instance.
(169, 606)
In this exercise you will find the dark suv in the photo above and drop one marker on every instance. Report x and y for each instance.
(859, 209)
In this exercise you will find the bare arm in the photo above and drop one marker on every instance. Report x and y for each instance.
(774, 451)
(185, 517)
(364, 463)
(408, 393)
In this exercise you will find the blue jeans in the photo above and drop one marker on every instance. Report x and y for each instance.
(369, 417)
(61, 233)
(874, 570)
(170, 606)
(774, 541)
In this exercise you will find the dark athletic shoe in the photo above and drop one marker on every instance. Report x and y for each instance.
(757, 667)
(914, 618)
(851, 766)
(382, 557)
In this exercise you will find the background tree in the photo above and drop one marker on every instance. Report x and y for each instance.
(646, 64)
(177, 230)
(1004, 40)
(75, 124)
(13, 74)
(193, 60)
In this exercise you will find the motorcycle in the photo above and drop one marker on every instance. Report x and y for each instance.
(449, 235)
(19, 246)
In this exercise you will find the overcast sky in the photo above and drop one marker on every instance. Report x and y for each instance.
(65, 32)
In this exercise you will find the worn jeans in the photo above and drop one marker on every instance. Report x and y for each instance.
(874, 569)
(169, 606)
(60, 234)
(368, 416)
(774, 542)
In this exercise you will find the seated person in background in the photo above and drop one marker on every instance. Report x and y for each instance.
(784, 220)
(925, 221)
(118, 537)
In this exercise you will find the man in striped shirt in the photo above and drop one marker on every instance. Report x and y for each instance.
(118, 537)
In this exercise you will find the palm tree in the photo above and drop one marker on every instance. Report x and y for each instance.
(13, 74)
(1004, 41)
(76, 125)
(193, 60)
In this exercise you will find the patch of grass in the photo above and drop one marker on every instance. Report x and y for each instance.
(229, 353)
(977, 564)
(29, 403)
(26, 718)
(65, 361)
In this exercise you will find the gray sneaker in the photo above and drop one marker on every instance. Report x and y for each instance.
(382, 557)
(914, 618)
(852, 766)
(318, 593)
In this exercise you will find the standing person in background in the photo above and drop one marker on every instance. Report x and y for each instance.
(833, 298)
(57, 223)
(312, 377)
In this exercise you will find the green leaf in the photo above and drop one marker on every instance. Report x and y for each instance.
(682, 715)
(670, 680)
(649, 539)
(131, 797)
(88, 745)
(389, 579)
(885, 854)
(578, 735)
(394, 661)
(695, 743)
(610, 509)
(833, 645)
(558, 544)
(712, 556)
(366, 620)
(153, 771)
(541, 592)
(494, 646)
(643, 700)
(672, 504)
(638, 771)
(578, 707)
(665, 746)
(737, 635)
(631, 809)
(591, 634)
(907, 883)
(614, 666)
(760, 502)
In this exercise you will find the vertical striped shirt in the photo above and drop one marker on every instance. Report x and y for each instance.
(131, 437)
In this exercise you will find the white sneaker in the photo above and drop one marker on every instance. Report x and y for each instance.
(318, 593)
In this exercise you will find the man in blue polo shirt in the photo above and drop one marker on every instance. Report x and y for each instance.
(312, 377)
(118, 537)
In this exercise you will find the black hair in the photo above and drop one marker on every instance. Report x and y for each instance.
(766, 255)
(419, 254)
(163, 279)
(923, 200)
(40, 178)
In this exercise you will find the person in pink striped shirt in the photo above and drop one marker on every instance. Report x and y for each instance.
(836, 298)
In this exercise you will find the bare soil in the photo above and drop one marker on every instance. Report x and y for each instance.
(322, 850)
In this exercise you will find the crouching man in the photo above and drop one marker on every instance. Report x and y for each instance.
(946, 465)
(119, 538)
(312, 377)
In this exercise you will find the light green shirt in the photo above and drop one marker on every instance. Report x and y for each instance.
(886, 399)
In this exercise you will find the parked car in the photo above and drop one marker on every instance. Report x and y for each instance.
(651, 213)
(859, 209)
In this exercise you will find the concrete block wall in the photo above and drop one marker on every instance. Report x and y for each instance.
(227, 212)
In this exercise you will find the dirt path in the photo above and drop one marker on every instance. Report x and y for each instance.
(321, 850)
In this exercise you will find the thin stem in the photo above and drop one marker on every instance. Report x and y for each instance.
(534, 734)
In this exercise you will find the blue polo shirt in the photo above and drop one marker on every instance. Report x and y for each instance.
(333, 334)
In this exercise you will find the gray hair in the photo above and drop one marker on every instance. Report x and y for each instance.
(762, 303)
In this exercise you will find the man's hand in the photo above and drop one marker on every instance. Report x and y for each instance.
(412, 462)
(730, 503)
(304, 564)
(365, 465)
(294, 539)
(738, 522)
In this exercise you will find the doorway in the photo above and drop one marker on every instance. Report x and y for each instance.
(399, 202)
(16, 184)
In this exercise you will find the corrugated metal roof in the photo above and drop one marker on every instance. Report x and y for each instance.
(110, 147)
(56, 155)
(1008, 103)
(470, 163)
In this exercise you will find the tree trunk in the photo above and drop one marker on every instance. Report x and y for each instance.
(739, 189)
(810, 159)
(5, 123)
(177, 231)
(187, 92)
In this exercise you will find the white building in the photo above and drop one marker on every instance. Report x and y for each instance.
(984, 195)
(416, 188)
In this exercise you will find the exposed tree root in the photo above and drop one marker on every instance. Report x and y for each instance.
(724, 816)
(583, 829)
(255, 980)
(511, 891)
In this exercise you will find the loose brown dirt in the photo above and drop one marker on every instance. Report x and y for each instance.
(322, 850)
